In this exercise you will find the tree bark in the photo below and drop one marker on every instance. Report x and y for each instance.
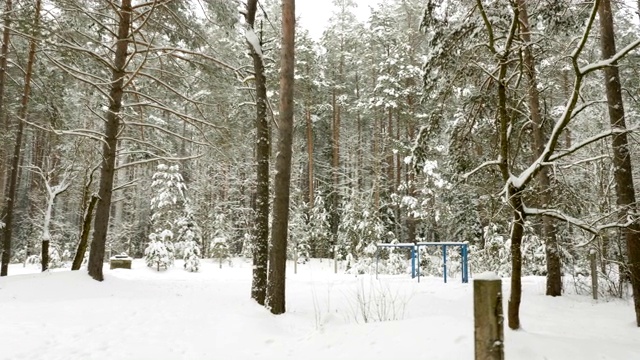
(278, 255)
(109, 148)
(335, 167)
(552, 250)
(310, 156)
(84, 234)
(4, 53)
(15, 161)
(625, 191)
(261, 235)
(517, 231)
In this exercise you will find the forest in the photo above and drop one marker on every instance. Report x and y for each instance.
(159, 129)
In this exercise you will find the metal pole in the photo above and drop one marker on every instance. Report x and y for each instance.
(444, 265)
(418, 256)
(377, 258)
(413, 262)
(465, 261)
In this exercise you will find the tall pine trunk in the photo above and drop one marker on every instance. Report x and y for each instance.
(625, 191)
(4, 53)
(278, 255)
(311, 178)
(554, 274)
(261, 229)
(109, 148)
(8, 212)
(335, 168)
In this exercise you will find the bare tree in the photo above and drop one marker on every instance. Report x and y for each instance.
(516, 182)
(625, 191)
(52, 193)
(4, 53)
(261, 234)
(112, 126)
(275, 300)
(8, 212)
(554, 274)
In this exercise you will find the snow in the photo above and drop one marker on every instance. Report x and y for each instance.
(489, 275)
(174, 314)
(252, 38)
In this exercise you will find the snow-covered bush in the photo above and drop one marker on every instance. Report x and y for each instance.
(219, 249)
(360, 229)
(496, 255)
(189, 240)
(157, 254)
(191, 256)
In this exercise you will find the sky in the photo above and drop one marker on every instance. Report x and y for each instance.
(314, 14)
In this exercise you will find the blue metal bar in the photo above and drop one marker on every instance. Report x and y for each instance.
(418, 270)
(413, 262)
(444, 264)
(465, 263)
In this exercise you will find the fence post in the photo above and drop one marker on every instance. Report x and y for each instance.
(335, 259)
(488, 318)
(594, 274)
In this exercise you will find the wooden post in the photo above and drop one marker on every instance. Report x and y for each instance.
(594, 274)
(295, 259)
(488, 318)
(335, 259)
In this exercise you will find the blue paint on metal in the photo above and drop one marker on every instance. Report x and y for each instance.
(444, 262)
(415, 257)
(413, 262)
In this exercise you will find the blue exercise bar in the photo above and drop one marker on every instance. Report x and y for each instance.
(415, 257)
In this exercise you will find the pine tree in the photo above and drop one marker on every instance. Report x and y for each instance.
(190, 240)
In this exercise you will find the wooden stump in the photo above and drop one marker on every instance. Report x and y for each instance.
(488, 318)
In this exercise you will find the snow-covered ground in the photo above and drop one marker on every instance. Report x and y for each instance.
(142, 314)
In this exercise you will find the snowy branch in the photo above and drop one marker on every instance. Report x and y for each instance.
(254, 41)
(480, 167)
(529, 173)
(595, 158)
(156, 158)
(611, 61)
(586, 142)
(594, 229)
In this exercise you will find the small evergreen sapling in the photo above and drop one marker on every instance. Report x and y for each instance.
(191, 256)
(220, 249)
(156, 254)
(189, 238)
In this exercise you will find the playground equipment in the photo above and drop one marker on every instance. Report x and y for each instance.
(415, 260)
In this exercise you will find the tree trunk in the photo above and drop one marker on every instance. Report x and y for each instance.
(310, 156)
(388, 150)
(109, 148)
(625, 191)
(554, 267)
(278, 256)
(335, 167)
(15, 161)
(517, 230)
(4, 53)
(261, 235)
(84, 234)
